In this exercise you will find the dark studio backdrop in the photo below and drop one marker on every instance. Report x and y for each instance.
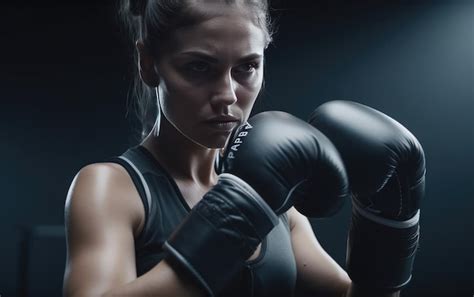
(64, 79)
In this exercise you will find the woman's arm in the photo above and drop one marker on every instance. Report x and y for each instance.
(102, 214)
(318, 273)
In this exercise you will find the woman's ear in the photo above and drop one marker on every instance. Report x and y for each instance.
(146, 65)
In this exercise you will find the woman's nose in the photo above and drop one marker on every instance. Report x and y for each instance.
(225, 91)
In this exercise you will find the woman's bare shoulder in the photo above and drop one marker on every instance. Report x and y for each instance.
(105, 188)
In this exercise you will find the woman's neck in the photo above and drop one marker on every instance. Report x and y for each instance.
(184, 159)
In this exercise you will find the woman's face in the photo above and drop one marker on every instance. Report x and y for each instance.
(210, 74)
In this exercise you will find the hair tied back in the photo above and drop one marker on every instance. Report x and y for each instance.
(137, 7)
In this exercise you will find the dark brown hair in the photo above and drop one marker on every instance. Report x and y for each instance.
(153, 21)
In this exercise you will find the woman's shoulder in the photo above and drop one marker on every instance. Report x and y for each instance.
(102, 179)
(105, 188)
(111, 169)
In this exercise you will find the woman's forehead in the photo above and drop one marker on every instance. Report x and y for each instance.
(216, 5)
(201, 10)
(234, 33)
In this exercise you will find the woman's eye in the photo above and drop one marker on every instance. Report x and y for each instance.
(247, 67)
(198, 67)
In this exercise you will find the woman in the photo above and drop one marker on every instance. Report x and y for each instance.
(202, 61)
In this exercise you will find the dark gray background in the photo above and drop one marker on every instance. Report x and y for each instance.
(64, 77)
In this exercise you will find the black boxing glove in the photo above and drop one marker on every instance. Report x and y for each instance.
(288, 162)
(386, 169)
(220, 233)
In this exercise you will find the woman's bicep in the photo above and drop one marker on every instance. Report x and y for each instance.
(99, 229)
(317, 271)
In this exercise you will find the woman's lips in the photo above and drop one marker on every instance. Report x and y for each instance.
(225, 126)
(224, 122)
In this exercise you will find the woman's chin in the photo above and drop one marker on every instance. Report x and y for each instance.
(211, 142)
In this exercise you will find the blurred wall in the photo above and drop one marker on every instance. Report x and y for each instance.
(64, 78)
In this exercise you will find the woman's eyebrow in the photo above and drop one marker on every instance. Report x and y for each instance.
(251, 57)
(210, 58)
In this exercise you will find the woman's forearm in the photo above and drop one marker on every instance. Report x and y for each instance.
(160, 281)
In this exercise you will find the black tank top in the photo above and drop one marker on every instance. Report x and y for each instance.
(272, 273)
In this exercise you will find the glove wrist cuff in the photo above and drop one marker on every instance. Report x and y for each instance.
(372, 216)
(220, 233)
(381, 255)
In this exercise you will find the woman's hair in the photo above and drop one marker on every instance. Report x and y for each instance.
(153, 21)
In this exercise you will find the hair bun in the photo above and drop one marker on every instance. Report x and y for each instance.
(137, 7)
